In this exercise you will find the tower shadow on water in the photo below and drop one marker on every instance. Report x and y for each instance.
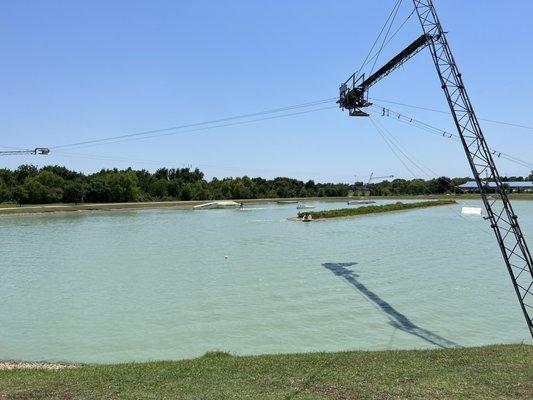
(396, 318)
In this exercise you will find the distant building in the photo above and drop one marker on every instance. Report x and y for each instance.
(525, 186)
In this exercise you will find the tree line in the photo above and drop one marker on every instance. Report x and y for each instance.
(57, 184)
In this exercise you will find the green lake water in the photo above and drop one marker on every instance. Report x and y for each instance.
(171, 284)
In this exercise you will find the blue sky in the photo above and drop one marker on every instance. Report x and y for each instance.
(74, 71)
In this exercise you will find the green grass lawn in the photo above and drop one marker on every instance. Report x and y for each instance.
(398, 206)
(493, 372)
(8, 205)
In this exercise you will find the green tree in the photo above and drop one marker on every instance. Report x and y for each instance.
(37, 192)
(49, 179)
(21, 195)
(97, 191)
(158, 188)
(7, 177)
(161, 173)
(24, 172)
(74, 192)
(417, 187)
(188, 191)
(56, 183)
(122, 186)
(174, 189)
(240, 191)
(443, 185)
(5, 193)
(144, 178)
(62, 172)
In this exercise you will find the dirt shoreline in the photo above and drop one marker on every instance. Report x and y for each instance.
(11, 365)
(188, 205)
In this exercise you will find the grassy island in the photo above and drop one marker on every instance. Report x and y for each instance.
(493, 372)
(350, 212)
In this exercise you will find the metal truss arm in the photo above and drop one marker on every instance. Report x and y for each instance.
(39, 150)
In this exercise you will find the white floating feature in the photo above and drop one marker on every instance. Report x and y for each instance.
(302, 206)
(217, 204)
(471, 210)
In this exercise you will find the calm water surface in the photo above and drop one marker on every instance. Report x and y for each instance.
(143, 285)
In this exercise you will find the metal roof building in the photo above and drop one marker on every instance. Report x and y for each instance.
(526, 186)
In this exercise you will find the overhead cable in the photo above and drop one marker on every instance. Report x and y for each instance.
(185, 126)
(386, 112)
(523, 126)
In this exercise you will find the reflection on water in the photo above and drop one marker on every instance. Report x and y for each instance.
(167, 284)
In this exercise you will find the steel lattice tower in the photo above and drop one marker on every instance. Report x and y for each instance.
(500, 212)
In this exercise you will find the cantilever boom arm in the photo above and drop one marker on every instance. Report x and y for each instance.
(352, 92)
(38, 150)
(398, 60)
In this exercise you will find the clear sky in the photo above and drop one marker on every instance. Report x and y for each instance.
(80, 70)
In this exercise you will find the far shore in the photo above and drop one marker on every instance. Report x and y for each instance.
(14, 209)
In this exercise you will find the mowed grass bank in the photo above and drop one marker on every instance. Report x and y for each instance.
(398, 206)
(472, 373)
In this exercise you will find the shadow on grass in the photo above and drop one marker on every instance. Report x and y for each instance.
(396, 318)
